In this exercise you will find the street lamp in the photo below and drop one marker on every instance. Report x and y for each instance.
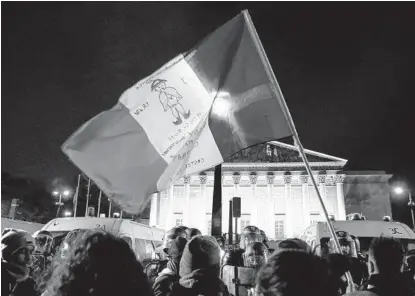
(60, 203)
(411, 204)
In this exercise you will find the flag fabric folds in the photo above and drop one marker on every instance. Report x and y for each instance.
(190, 115)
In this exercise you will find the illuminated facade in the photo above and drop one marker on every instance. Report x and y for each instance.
(276, 193)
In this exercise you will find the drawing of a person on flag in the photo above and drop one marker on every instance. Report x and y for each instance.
(170, 99)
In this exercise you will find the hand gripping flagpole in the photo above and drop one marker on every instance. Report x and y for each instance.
(280, 97)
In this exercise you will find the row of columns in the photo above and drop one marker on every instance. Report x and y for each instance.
(338, 179)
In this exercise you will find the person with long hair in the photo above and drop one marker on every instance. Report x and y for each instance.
(97, 264)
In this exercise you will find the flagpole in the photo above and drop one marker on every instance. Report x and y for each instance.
(280, 97)
(87, 197)
(76, 196)
(99, 202)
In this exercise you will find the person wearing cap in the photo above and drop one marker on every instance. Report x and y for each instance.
(170, 275)
(199, 269)
(17, 247)
(293, 244)
(170, 99)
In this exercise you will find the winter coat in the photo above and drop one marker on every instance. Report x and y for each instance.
(11, 287)
(199, 282)
(166, 279)
(387, 285)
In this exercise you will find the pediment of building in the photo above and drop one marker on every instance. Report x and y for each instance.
(277, 152)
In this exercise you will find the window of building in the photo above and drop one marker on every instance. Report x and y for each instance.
(314, 218)
(178, 219)
(279, 226)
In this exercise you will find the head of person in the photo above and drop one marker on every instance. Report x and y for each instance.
(158, 85)
(250, 234)
(43, 241)
(386, 256)
(98, 263)
(294, 273)
(293, 244)
(347, 244)
(176, 249)
(255, 255)
(17, 247)
(170, 235)
(191, 232)
(202, 252)
(69, 240)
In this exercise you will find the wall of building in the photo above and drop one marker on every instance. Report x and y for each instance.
(368, 193)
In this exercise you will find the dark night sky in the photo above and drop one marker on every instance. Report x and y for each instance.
(347, 71)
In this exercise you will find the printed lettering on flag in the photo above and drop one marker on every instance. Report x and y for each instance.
(172, 106)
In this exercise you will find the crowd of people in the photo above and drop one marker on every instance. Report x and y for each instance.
(95, 262)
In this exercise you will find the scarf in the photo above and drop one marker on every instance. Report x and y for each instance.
(17, 272)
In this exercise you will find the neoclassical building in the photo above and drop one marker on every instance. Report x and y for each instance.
(276, 193)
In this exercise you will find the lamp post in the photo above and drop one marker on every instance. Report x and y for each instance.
(411, 204)
(60, 203)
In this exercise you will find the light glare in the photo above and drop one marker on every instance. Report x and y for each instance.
(221, 104)
(398, 190)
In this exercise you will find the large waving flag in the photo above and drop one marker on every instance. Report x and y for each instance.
(190, 115)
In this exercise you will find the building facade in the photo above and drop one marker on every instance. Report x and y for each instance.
(276, 193)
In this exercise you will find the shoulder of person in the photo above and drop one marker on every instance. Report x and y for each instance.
(361, 293)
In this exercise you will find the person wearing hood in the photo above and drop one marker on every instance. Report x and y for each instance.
(17, 247)
(199, 269)
(170, 275)
(386, 259)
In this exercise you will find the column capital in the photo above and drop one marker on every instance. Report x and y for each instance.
(253, 177)
(304, 179)
(339, 178)
(287, 179)
(321, 179)
(270, 179)
(203, 179)
(186, 180)
(236, 178)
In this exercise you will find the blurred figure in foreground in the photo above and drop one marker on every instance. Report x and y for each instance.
(98, 263)
(199, 269)
(17, 247)
(295, 273)
(293, 244)
(191, 232)
(386, 259)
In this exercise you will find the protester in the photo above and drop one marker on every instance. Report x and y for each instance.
(293, 244)
(255, 255)
(171, 235)
(191, 232)
(99, 264)
(199, 269)
(295, 273)
(17, 247)
(386, 259)
(170, 275)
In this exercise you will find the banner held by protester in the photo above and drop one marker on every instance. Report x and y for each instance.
(190, 115)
